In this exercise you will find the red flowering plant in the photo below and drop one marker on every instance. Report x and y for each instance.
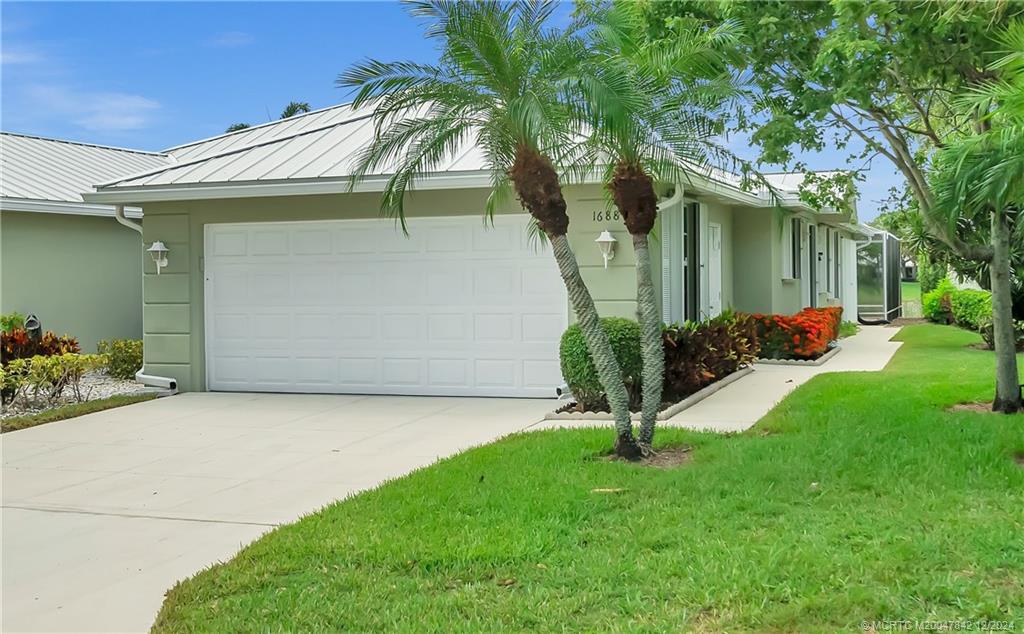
(805, 335)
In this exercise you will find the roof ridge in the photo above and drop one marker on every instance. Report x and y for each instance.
(255, 127)
(229, 152)
(84, 144)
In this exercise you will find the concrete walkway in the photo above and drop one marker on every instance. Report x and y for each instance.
(738, 406)
(103, 513)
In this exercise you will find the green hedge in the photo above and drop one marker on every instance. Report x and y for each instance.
(971, 308)
(581, 375)
(124, 355)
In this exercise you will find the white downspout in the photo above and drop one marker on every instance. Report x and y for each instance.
(152, 380)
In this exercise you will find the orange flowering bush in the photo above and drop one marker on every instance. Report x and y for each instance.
(805, 335)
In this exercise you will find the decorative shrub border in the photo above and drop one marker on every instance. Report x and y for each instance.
(806, 362)
(666, 413)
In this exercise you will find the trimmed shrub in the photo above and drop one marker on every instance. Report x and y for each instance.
(124, 357)
(698, 354)
(970, 307)
(580, 374)
(936, 304)
(17, 344)
(805, 335)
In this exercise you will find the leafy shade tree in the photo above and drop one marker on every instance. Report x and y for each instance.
(292, 109)
(652, 107)
(499, 84)
(981, 176)
(881, 76)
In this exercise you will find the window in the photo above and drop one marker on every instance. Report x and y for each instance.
(829, 262)
(791, 237)
(837, 249)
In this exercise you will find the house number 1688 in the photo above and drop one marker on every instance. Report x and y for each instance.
(601, 216)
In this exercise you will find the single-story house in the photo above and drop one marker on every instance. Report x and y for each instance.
(63, 259)
(279, 279)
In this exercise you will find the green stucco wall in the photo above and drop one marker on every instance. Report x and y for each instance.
(173, 318)
(78, 274)
(754, 269)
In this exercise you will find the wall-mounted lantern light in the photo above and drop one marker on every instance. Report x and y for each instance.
(159, 253)
(606, 242)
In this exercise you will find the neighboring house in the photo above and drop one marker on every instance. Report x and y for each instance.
(279, 279)
(64, 260)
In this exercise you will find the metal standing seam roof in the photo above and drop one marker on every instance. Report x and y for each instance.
(40, 169)
(320, 145)
(317, 146)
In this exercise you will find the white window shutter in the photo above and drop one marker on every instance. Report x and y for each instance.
(666, 268)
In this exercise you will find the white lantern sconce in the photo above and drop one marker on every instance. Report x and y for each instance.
(159, 252)
(606, 242)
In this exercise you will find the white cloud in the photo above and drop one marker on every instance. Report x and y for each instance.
(230, 39)
(99, 111)
(10, 57)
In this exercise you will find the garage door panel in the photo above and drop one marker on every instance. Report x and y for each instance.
(354, 307)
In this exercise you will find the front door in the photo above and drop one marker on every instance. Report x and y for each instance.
(714, 269)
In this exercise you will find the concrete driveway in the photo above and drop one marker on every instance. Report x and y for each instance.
(103, 513)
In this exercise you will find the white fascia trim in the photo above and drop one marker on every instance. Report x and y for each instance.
(451, 180)
(64, 207)
(282, 188)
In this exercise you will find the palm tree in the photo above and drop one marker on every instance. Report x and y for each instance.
(294, 108)
(499, 84)
(655, 112)
(980, 178)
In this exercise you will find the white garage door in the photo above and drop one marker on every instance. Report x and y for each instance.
(352, 306)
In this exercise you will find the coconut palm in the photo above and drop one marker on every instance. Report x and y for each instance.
(980, 178)
(500, 85)
(655, 109)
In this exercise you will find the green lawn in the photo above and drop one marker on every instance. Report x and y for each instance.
(911, 291)
(71, 411)
(857, 498)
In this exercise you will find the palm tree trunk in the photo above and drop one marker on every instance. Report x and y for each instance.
(653, 351)
(1007, 398)
(600, 348)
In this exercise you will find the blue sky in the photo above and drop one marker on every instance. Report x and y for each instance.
(154, 75)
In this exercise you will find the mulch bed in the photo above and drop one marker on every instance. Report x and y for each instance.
(978, 408)
(664, 458)
(907, 321)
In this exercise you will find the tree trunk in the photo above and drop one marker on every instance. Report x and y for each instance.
(600, 348)
(1007, 398)
(652, 349)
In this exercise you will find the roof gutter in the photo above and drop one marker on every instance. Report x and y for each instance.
(152, 380)
(120, 217)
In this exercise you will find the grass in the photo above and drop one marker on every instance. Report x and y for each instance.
(858, 497)
(911, 291)
(70, 411)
